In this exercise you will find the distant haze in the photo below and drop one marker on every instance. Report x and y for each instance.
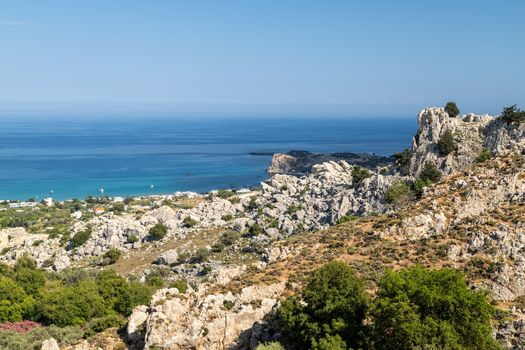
(261, 56)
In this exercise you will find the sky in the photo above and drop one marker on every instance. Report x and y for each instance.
(261, 55)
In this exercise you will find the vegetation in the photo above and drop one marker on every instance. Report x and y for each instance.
(255, 230)
(189, 222)
(452, 109)
(418, 187)
(201, 255)
(430, 172)
(158, 231)
(111, 256)
(513, 115)
(81, 237)
(485, 155)
(68, 298)
(270, 346)
(132, 239)
(180, 284)
(403, 158)
(399, 193)
(225, 194)
(359, 174)
(447, 144)
(414, 308)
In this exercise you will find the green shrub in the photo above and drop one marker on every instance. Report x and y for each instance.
(403, 158)
(132, 239)
(81, 237)
(333, 304)
(485, 155)
(227, 217)
(418, 187)
(418, 308)
(98, 325)
(452, 109)
(359, 174)
(201, 255)
(252, 204)
(347, 218)
(228, 304)
(111, 256)
(31, 280)
(234, 200)
(512, 114)
(14, 302)
(180, 284)
(189, 222)
(158, 231)
(230, 237)
(155, 280)
(217, 247)
(399, 193)
(225, 194)
(255, 230)
(446, 143)
(270, 346)
(430, 172)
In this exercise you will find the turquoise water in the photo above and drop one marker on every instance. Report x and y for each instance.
(75, 156)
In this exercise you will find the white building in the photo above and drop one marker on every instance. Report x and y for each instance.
(22, 205)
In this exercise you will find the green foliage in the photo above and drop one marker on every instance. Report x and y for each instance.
(217, 247)
(255, 230)
(189, 222)
(14, 340)
(452, 109)
(403, 158)
(31, 280)
(180, 284)
(270, 346)
(118, 208)
(14, 302)
(359, 174)
(485, 155)
(446, 143)
(132, 239)
(201, 255)
(430, 172)
(347, 218)
(419, 185)
(111, 256)
(98, 325)
(418, 308)
(81, 237)
(234, 200)
(330, 310)
(225, 194)
(228, 304)
(158, 231)
(513, 114)
(252, 204)
(399, 193)
(414, 308)
(230, 237)
(155, 280)
(227, 217)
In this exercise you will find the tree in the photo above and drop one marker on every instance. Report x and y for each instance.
(403, 158)
(419, 308)
(452, 109)
(359, 174)
(430, 172)
(158, 231)
(446, 143)
(330, 311)
(512, 115)
(398, 194)
(81, 237)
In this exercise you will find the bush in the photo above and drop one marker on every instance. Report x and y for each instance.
(158, 231)
(446, 143)
(180, 284)
(398, 194)
(225, 194)
(189, 222)
(452, 109)
(14, 302)
(81, 237)
(403, 158)
(201, 255)
(430, 172)
(31, 280)
(270, 346)
(111, 256)
(229, 238)
(228, 304)
(98, 325)
(418, 308)
(155, 280)
(132, 239)
(418, 187)
(512, 115)
(255, 230)
(227, 217)
(331, 309)
(217, 247)
(485, 155)
(358, 175)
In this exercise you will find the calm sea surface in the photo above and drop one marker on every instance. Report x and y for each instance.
(75, 156)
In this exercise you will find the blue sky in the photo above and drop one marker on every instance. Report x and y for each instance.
(347, 56)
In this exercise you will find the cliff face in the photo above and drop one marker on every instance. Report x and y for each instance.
(472, 134)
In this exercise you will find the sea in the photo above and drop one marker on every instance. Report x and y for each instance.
(77, 156)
